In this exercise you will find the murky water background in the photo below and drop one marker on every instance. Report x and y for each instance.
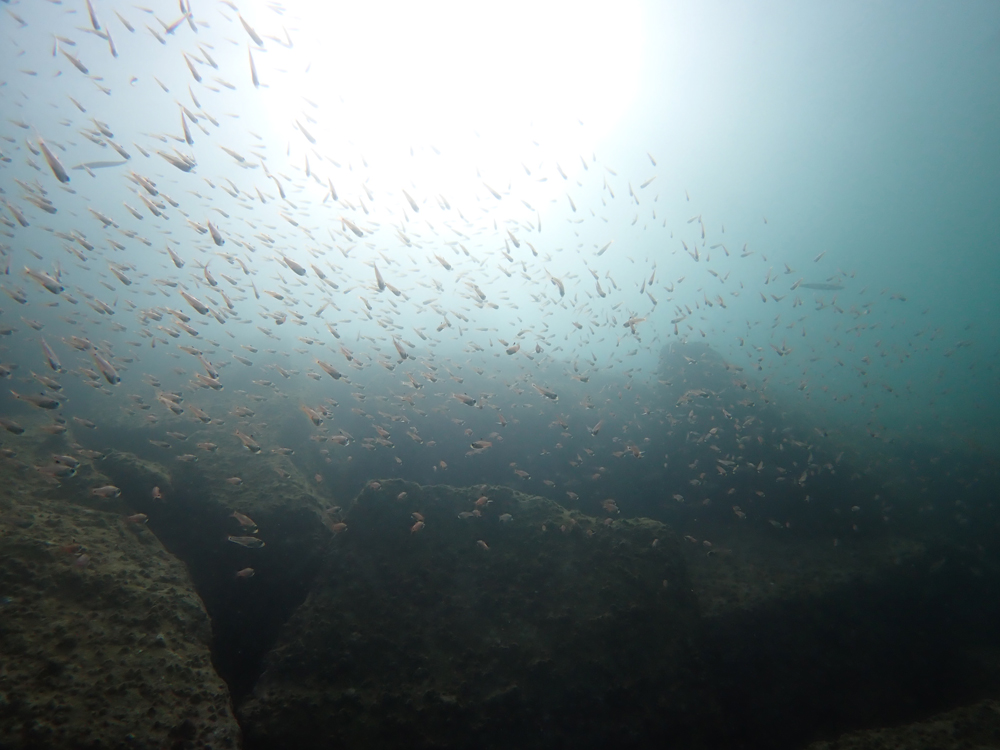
(729, 268)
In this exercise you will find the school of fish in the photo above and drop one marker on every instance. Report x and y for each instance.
(160, 251)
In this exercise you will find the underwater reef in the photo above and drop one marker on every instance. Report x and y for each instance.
(513, 622)
(104, 641)
(413, 615)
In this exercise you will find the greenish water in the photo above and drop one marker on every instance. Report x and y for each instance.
(728, 266)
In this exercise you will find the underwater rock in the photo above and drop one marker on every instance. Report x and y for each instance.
(105, 642)
(974, 726)
(484, 617)
(194, 517)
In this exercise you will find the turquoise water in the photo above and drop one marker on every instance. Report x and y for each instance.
(862, 135)
(733, 267)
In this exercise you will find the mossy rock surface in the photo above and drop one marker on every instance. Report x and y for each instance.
(104, 641)
(564, 630)
(973, 727)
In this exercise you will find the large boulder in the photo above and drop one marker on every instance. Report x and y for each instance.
(526, 625)
(104, 641)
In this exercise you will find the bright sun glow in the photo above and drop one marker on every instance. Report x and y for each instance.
(442, 97)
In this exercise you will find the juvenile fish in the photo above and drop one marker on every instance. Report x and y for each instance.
(41, 401)
(107, 370)
(248, 442)
(199, 306)
(47, 281)
(216, 236)
(245, 521)
(54, 165)
(51, 357)
(249, 29)
(11, 426)
(250, 542)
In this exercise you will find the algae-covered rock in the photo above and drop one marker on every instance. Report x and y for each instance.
(193, 518)
(437, 621)
(103, 640)
(974, 727)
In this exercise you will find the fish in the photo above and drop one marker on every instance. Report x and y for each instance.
(99, 165)
(216, 236)
(329, 369)
(353, 227)
(41, 400)
(175, 259)
(45, 280)
(245, 521)
(412, 203)
(312, 140)
(551, 395)
(823, 286)
(11, 426)
(125, 23)
(180, 162)
(54, 164)
(253, 34)
(314, 416)
(76, 62)
(198, 306)
(451, 263)
(106, 369)
(51, 383)
(399, 348)
(50, 357)
(248, 442)
(293, 266)
(194, 71)
(250, 542)
(253, 70)
(121, 151)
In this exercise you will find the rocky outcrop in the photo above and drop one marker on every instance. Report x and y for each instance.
(975, 727)
(570, 630)
(437, 622)
(194, 519)
(434, 616)
(103, 640)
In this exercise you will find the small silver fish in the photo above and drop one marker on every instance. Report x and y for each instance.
(251, 542)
